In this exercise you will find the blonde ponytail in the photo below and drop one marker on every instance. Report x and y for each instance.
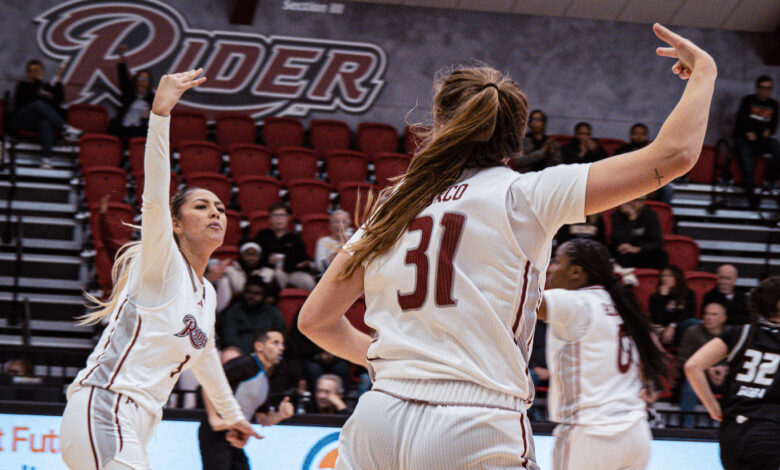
(120, 272)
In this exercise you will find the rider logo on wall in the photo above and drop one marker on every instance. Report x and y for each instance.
(247, 73)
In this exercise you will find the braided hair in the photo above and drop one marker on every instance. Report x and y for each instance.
(594, 259)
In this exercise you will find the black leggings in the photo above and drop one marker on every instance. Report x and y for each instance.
(752, 445)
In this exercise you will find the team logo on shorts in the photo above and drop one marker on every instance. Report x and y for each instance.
(198, 337)
(248, 73)
(323, 454)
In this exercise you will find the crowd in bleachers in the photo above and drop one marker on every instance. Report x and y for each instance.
(295, 193)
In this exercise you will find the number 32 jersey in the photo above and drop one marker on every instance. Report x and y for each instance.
(454, 300)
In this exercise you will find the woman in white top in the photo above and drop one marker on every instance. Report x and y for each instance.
(161, 317)
(328, 246)
(440, 259)
(600, 354)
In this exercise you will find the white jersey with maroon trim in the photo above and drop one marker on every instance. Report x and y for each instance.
(455, 298)
(163, 322)
(595, 379)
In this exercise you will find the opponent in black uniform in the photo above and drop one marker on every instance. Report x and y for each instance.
(750, 433)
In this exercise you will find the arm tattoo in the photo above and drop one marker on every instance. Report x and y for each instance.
(657, 176)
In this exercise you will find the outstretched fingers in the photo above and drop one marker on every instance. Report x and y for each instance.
(667, 35)
(667, 52)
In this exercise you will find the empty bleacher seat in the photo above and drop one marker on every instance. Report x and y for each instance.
(648, 282)
(235, 128)
(296, 163)
(249, 160)
(139, 186)
(683, 251)
(226, 252)
(88, 117)
(308, 197)
(700, 282)
(187, 125)
(346, 166)
(102, 180)
(257, 193)
(281, 132)
(290, 302)
(198, 157)
(375, 137)
(233, 234)
(258, 220)
(99, 150)
(702, 172)
(348, 198)
(136, 148)
(217, 183)
(388, 165)
(329, 134)
(314, 226)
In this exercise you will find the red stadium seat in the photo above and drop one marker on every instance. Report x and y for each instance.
(610, 145)
(187, 125)
(217, 183)
(648, 282)
(88, 118)
(257, 193)
(413, 138)
(281, 132)
(314, 226)
(233, 235)
(102, 180)
(258, 220)
(683, 251)
(117, 216)
(346, 166)
(664, 213)
(700, 282)
(348, 198)
(226, 252)
(308, 197)
(103, 266)
(296, 163)
(356, 314)
(702, 172)
(99, 150)
(374, 137)
(325, 135)
(388, 165)
(760, 170)
(249, 160)
(290, 302)
(235, 128)
(198, 157)
(136, 147)
(139, 186)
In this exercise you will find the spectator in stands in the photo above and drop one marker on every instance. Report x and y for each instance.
(310, 361)
(328, 246)
(247, 265)
(726, 293)
(592, 229)
(638, 139)
(756, 123)
(215, 273)
(713, 318)
(328, 396)
(136, 98)
(637, 240)
(539, 150)
(584, 148)
(672, 306)
(243, 319)
(19, 367)
(248, 376)
(37, 108)
(284, 252)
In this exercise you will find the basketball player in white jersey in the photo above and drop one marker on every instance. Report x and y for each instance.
(160, 317)
(601, 354)
(439, 261)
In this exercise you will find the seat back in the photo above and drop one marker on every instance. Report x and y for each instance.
(258, 220)
(139, 186)
(290, 302)
(296, 163)
(374, 137)
(198, 157)
(313, 227)
(648, 282)
(348, 198)
(187, 125)
(116, 219)
(346, 166)
(226, 252)
(257, 193)
(328, 134)
(388, 165)
(664, 213)
(700, 282)
(610, 144)
(136, 147)
(88, 117)
(702, 172)
(235, 128)
(217, 183)
(308, 197)
(413, 138)
(281, 132)
(102, 180)
(249, 160)
(99, 150)
(683, 251)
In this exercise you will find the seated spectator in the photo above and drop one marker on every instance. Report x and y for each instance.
(37, 108)
(637, 240)
(672, 306)
(284, 252)
(539, 150)
(711, 326)
(215, 273)
(592, 229)
(243, 319)
(584, 148)
(328, 396)
(136, 99)
(310, 361)
(756, 123)
(19, 368)
(637, 140)
(247, 265)
(248, 376)
(328, 247)
(726, 293)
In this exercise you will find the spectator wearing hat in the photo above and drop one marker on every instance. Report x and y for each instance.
(328, 246)
(243, 319)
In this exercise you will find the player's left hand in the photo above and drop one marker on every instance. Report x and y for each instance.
(239, 434)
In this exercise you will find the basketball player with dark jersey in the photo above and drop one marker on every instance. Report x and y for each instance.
(750, 407)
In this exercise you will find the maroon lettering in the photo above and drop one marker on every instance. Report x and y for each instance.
(419, 259)
(190, 56)
(347, 70)
(459, 192)
(198, 337)
(453, 227)
(283, 73)
(223, 72)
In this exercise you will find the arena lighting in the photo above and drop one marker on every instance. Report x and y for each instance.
(243, 11)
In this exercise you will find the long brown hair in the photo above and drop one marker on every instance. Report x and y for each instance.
(120, 272)
(479, 119)
(680, 290)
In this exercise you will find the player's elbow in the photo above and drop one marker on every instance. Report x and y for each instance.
(307, 321)
(691, 368)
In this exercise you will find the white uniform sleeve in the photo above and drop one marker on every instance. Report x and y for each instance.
(567, 313)
(209, 372)
(159, 269)
(556, 195)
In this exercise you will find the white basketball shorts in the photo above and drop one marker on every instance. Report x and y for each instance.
(575, 448)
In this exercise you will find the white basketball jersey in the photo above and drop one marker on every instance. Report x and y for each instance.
(455, 298)
(595, 379)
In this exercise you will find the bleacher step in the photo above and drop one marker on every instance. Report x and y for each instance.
(43, 266)
(42, 209)
(38, 192)
(744, 232)
(47, 307)
(49, 229)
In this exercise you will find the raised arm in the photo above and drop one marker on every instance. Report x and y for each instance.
(673, 153)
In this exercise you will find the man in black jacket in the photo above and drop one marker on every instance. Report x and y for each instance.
(637, 240)
(756, 123)
(37, 109)
(283, 251)
(726, 294)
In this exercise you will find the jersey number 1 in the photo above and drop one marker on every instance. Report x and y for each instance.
(453, 228)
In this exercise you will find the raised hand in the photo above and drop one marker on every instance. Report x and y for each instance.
(688, 54)
(171, 88)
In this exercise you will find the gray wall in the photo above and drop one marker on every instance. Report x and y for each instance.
(602, 72)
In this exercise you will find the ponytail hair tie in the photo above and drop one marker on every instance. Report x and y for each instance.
(490, 85)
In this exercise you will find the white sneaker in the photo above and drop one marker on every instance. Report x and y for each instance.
(46, 163)
(70, 133)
